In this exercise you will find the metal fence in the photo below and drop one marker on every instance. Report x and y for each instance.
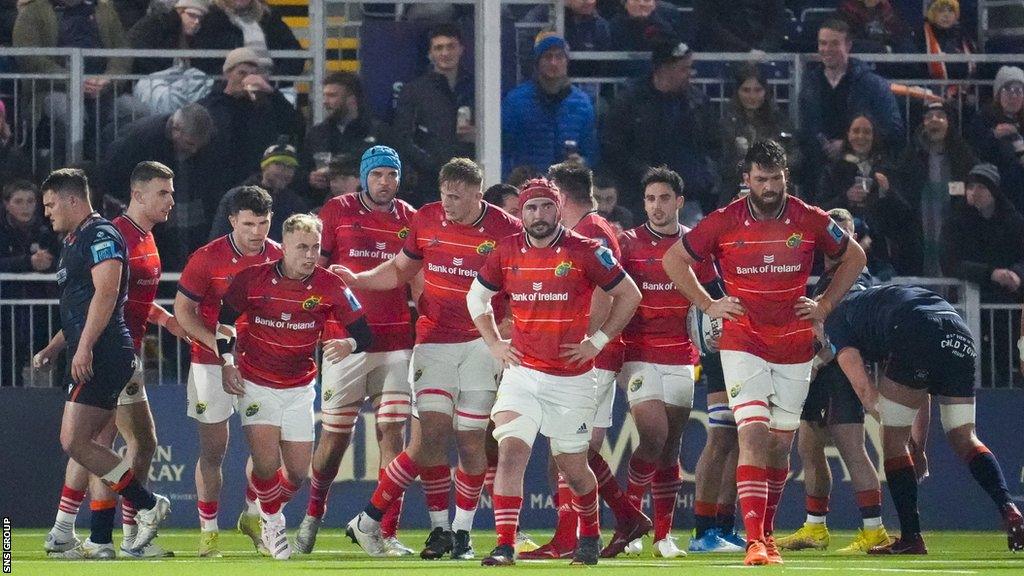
(29, 316)
(56, 124)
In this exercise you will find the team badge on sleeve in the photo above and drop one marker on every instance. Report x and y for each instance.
(835, 231)
(605, 257)
(353, 302)
(104, 250)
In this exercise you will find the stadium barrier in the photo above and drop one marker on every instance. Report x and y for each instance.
(34, 467)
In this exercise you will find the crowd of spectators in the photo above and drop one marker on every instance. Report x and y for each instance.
(920, 185)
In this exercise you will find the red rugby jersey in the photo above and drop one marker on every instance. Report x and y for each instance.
(360, 238)
(206, 278)
(596, 227)
(657, 333)
(285, 321)
(549, 292)
(451, 254)
(765, 263)
(143, 276)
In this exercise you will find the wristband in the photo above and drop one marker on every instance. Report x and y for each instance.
(229, 359)
(599, 340)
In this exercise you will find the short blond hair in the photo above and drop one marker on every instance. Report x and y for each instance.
(844, 218)
(302, 223)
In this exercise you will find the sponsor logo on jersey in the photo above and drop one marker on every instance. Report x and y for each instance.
(563, 269)
(404, 232)
(308, 304)
(286, 316)
(457, 261)
(583, 429)
(636, 383)
(485, 247)
(769, 258)
(795, 240)
(328, 394)
(538, 286)
(252, 409)
(735, 390)
(380, 245)
(104, 250)
(200, 407)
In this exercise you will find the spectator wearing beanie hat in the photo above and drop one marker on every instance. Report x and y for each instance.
(249, 113)
(997, 133)
(166, 29)
(984, 243)
(277, 173)
(944, 35)
(547, 120)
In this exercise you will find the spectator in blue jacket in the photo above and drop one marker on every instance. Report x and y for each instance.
(836, 91)
(547, 120)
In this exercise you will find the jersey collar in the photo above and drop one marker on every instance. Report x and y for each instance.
(71, 237)
(279, 272)
(134, 223)
(659, 235)
(782, 209)
(238, 252)
(559, 235)
(368, 208)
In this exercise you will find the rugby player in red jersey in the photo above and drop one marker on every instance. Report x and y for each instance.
(287, 304)
(152, 197)
(454, 379)
(764, 245)
(549, 274)
(361, 230)
(579, 213)
(660, 362)
(204, 280)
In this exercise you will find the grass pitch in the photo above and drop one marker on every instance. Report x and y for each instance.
(950, 553)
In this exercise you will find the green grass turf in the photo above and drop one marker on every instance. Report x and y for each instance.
(950, 553)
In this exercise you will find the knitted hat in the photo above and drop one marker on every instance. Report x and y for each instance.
(539, 188)
(282, 152)
(202, 6)
(664, 52)
(243, 55)
(985, 174)
(546, 41)
(1006, 75)
(935, 5)
(377, 157)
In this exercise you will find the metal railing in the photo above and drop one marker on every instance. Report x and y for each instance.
(102, 118)
(28, 321)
